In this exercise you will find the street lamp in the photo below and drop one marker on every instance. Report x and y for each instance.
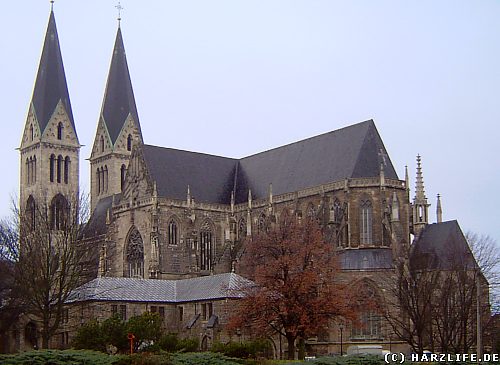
(341, 327)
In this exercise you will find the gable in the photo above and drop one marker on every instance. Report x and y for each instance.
(442, 245)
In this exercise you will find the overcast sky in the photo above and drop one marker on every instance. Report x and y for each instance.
(234, 78)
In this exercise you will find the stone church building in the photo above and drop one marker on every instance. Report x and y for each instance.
(181, 217)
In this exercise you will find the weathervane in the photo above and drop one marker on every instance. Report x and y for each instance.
(120, 8)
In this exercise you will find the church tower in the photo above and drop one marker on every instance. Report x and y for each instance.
(420, 205)
(117, 129)
(49, 147)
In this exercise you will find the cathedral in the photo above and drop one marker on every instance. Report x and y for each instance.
(175, 221)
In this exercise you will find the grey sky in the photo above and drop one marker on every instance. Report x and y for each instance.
(237, 77)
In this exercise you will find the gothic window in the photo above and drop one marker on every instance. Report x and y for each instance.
(311, 212)
(59, 211)
(369, 323)
(31, 213)
(98, 174)
(52, 167)
(66, 169)
(242, 229)
(336, 213)
(368, 326)
(262, 225)
(135, 254)
(129, 142)
(101, 180)
(27, 171)
(59, 131)
(123, 171)
(31, 132)
(172, 232)
(206, 246)
(33, 174)
(366, 218)
(102, 144)
(105, 180)
(59, 168)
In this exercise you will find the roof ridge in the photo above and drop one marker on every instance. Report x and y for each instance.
(309, 138)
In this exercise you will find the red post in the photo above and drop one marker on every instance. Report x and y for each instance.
(131, 338)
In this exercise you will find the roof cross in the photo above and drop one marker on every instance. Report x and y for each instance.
(51, 4)
(383, 155)
(120, 8)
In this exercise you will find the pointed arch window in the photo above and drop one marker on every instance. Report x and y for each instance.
(102, 143)
(31, 213)
(123, 172)
(60, 162)
(135, 254)
(27, 171)
(60, 129)
(172, 232)
(262, 225)
(67, 162)
(129, 142)
(33, 172)
(366, 217)
(105, 182)
(206, 248)
(242, 229)
(59, 212)
(52, 167)
(98, 181)
(311, 212)
(32, 133)
(369, 325)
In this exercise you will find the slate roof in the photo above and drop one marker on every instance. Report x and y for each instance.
(350, 152)
(50, 84)
(167, 291)
(97, 223)
(366, 259)
(442, 245)
(210, 178)
(119, 99)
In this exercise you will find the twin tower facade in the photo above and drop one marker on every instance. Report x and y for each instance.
(50, 146)
(173, 214)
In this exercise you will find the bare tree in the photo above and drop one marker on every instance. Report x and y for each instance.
(409, 303)
(49, 259)
(439, 296)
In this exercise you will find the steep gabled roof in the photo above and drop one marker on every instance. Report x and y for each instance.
(209, 177)
(442, 245)
(119, 99)
(352, 152)
(50, 85)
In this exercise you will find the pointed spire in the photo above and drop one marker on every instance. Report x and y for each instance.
(419, 184)
(188, 197)
(420, 205)
(232, 202)
(50, 85)
(439, 211)
(119, 101)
